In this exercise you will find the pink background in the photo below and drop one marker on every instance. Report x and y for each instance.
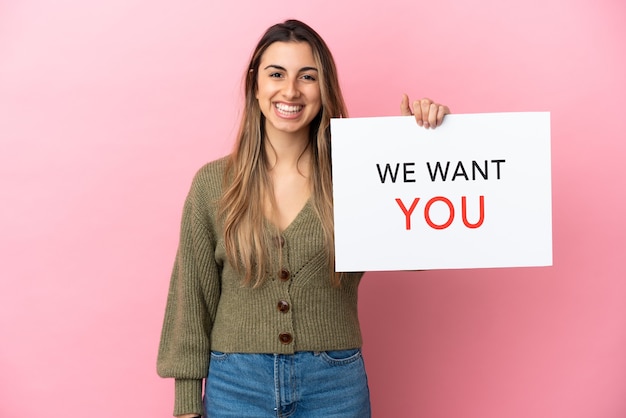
(108, 108)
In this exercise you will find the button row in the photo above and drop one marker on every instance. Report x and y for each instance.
(283, 305)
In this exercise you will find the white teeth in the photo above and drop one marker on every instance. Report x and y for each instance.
(287, 108)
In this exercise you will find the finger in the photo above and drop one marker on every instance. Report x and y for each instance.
(405, 110)
(432, 115)
(417, 110)
(441, 112)
(425, 106)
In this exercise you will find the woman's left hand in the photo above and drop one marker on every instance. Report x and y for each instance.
(427, 113)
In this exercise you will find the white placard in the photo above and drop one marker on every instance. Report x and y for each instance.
(472, 193)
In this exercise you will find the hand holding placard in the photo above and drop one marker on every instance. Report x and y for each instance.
(427, 113)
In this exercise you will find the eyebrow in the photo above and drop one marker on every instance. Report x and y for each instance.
(278, 67)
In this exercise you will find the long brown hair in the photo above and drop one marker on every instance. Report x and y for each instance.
(248, 182)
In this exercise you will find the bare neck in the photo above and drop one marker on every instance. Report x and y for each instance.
(289, 161)
(287, 151)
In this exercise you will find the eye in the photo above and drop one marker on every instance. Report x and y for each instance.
(309, 77)
(275, 75)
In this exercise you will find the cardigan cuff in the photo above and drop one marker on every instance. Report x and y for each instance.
(188, 397)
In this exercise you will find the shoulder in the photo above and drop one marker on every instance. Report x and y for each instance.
(206, 190)
(209, 179)
(212, 171)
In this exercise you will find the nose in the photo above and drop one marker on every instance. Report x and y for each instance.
(290, 90)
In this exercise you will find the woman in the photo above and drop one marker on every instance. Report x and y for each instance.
(255, 307)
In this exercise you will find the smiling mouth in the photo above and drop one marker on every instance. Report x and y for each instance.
(288, 110)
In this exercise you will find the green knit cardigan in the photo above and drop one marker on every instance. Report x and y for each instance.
(208, 308)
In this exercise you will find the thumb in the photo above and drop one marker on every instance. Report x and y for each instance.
(405, 110)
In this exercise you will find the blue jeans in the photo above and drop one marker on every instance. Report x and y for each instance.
(326, 384)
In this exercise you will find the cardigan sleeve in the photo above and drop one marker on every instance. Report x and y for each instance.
(194, 292)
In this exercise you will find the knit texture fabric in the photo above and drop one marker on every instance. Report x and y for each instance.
(208, 307)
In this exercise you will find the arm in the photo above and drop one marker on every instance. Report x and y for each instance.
(184, 350)
(427, 113)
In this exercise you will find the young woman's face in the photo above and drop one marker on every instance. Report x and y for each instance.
(288, 89)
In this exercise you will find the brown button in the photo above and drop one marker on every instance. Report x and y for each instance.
(284, 274)
(285, 338)
(279, 241)
(283, 306)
